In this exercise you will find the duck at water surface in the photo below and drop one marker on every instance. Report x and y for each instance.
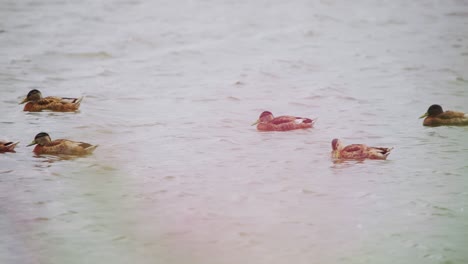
(60, 146)
(37, 103)
(435, 116)
(358, 151)
(267, 122)
(7, 146)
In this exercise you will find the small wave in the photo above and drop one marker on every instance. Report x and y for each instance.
(205, 100)
(40, 219)
(148, 124)
(90, 55)
(298, 104)
(84, 55)
(232, 98)
(457, 14)
(314, 97)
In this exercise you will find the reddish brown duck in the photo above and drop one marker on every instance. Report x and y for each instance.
(267, 122)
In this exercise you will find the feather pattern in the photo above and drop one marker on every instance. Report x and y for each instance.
(267, 122)
(44, 145)
(37, 103)
(435, 116)
(358, 151)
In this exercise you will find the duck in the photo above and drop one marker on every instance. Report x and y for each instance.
(45, 145)
(267, 122)
(358, 151)
(37, 103)
(7, 146)
(435, 116)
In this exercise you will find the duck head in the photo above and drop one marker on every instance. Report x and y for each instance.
(33, 95)
(336, 146)
(40, 139)
(433, 110)
(265, 116)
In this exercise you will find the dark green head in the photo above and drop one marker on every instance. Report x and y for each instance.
(40, 139)
(433, 110)
(33, 95)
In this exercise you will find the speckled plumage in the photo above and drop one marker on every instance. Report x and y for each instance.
(358, 151)
(37, 103)
(435, 116)
(267, 122)
(60, 146)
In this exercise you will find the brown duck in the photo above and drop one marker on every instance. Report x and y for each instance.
(37, 103)
(358, 151)
(267, 122)
(60, 146)
(435, 116)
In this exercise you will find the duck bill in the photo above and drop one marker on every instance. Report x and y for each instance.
(256, 122)
(423, 116)
(32, 143)
(24, 100)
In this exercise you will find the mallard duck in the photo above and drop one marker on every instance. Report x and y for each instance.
(358, 151)
(60, 146)
(435, 116)
(37, 103)
(6, 146)
(266, 122)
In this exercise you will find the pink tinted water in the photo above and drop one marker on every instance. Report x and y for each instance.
(180, 176)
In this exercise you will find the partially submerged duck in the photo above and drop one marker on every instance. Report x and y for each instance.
(7, 146)
(358, 151)
(435, 116)
(267, 122)
(60, 146)
(37, 103)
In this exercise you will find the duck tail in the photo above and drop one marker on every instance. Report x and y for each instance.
(302, 120)
(309, 121)
(11, 146)
(90, 149)
(78, 101)
(386, 151)
(314, 121)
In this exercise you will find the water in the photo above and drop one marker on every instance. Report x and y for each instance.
(179, 175)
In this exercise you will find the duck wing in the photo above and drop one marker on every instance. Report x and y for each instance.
(354, 151)
(291, 119)
(282, 119)
(59, 104)
(451, 114)
(48, 100)
(448, 118)
(78, 148)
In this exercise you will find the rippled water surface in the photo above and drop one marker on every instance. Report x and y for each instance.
(180, 176)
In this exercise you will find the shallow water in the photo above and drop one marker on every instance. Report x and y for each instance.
(180, 176)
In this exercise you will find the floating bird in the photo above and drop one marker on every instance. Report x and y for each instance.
(358, 151)
(60, 146)
(6, 146)
(435, 116)
(266, 122)
(37, 103)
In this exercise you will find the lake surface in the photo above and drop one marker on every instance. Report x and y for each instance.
(180, 176)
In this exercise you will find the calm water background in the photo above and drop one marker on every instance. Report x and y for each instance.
(180, 176)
